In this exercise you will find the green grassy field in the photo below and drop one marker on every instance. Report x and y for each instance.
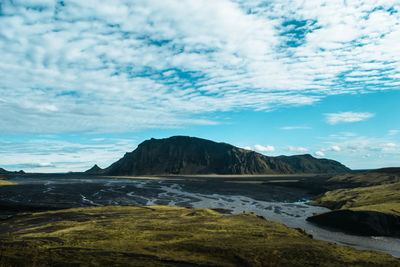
(166, 236)
(381, 198)
(368, 178)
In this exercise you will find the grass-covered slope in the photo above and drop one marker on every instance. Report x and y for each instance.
(166, 236)
(382, 198)
(373, 210)
(5, 182)
(368, 178)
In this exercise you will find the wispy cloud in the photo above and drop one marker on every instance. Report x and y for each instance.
(364, 145)
(334, 118)
(364, 152)
(115, 66)
(295, 128)
(57, 155)
(298, 149)
(265, 149)
(335, 148)
(320, 154)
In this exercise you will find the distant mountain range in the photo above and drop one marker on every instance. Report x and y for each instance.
(3, 171)
(191, 155)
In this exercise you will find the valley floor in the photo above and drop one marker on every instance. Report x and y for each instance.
(277, 198)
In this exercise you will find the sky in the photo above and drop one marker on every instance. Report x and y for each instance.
(83, 82)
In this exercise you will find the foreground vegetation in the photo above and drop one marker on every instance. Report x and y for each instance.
(166, 236)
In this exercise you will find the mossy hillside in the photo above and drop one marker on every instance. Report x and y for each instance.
(368, 178)
(381, 198)
(166, 236)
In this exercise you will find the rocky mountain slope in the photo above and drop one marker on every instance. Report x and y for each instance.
(190, 155)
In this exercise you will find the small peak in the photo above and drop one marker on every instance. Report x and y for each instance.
(94, 170)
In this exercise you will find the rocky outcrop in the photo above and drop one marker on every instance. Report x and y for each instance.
(190, 155)
(368, 223)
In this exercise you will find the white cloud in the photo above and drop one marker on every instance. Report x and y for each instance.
(393, 132)
(334, 118)
(55, 155)
(364, 145)
(247, 148)
(90, 66)
(123, 66)
(298, 149)
(390, 148)
(382, 152)
(391, 145)
(320, 153)
(267, 148)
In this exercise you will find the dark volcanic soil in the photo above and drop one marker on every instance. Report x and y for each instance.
(55, 191)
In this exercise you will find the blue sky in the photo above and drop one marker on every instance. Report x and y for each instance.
(82, 82)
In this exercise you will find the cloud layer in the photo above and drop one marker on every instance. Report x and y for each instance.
(115, 66)
(334, 118)
(264, 149)
(48, 154)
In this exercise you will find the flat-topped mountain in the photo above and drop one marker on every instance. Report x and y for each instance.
(191, 155)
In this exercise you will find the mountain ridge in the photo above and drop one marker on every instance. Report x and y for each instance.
(191, 155)
(4, 171)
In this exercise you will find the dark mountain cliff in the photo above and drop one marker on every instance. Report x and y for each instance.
(308, 164)
(190, 155)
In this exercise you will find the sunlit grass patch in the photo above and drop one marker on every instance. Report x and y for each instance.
(382, 198)
(166, 236)
(5, 182)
